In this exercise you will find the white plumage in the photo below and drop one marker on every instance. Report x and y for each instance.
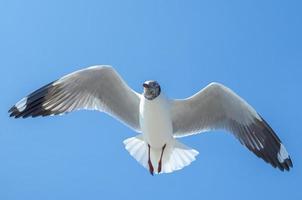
(158, 119)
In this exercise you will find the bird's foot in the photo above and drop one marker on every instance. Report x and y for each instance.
(160, 160)
(151, 169)
(159, 167)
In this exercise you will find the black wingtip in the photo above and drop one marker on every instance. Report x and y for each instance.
(11, 109)
(13, 112)
(288, 164)
(33, 104)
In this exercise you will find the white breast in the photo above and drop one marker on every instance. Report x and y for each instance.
(155, 121)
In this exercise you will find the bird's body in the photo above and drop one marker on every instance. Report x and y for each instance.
(158, 119)
(155, 121)
(164, 152)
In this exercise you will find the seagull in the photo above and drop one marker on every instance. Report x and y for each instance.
(158, 120)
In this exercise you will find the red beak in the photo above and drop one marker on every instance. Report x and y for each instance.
(145, 85)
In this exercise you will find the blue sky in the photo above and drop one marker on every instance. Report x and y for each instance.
(253, 47)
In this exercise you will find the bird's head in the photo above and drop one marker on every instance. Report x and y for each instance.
(151, 89)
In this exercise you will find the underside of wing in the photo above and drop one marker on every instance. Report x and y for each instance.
(94, 88)
(216, 107)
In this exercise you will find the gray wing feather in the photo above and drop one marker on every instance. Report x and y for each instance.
(94, 88)
(217, 107)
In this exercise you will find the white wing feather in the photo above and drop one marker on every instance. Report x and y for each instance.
(94, 88)
(217, 107)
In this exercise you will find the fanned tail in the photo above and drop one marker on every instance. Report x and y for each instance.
(175, 157)
(138, 149)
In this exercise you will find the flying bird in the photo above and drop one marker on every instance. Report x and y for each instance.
(158, 119)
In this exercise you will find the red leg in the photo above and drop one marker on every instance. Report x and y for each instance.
(151, 169)
(160, 160)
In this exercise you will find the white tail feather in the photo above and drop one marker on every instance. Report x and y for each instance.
(138, 149)
(176, 155)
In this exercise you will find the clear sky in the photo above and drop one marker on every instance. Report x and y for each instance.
(253, 47)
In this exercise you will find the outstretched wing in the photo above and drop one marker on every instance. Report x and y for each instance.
(217, 107)
(94, 88)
